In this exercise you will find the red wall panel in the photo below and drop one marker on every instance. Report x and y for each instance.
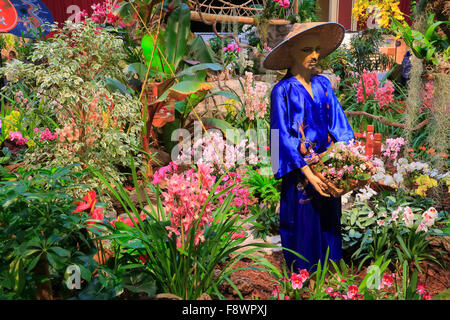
(59, 7)
(345, 13)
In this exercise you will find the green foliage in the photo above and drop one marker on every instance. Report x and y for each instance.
(70, 92)
(426, 45)
(362, 53)
(368, 241)
(262, 186)
(415, 248)
(39, 237)
(186, 272)
(265, 221)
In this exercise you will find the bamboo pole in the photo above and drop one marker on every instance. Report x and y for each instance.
(195, 16)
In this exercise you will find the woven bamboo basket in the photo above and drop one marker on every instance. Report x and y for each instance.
(334, 190)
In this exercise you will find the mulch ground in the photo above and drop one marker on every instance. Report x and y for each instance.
(255, 284)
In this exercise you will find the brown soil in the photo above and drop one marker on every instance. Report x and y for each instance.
(257, 284)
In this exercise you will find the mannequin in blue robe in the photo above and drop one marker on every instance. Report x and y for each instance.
(309, 222)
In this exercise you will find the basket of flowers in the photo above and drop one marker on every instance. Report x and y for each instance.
(343, 168)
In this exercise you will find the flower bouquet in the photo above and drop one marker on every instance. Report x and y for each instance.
(343, 168)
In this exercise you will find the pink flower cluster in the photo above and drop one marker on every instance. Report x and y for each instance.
(20, 98)
(385, 94)
(408, 216)
(241, 194)
(427, 96)
(255, 97)
(428, 219)
(297, 280)
(104, 13)
(386, 281)
(351, 294)
(232, 47)
(370, 85)
(392, 147)
(186, 198)
(283, 3)
(423, 292)
(46, 134)
(17, 136)
(346, 160)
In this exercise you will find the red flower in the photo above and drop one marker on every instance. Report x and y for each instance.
(143, 258)
(236, 235)
(423, 292)
(352, 292)
(88, 202)
(387, 280)
(97, 213)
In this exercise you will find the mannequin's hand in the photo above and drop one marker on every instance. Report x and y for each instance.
(371, 167)
(319, 185)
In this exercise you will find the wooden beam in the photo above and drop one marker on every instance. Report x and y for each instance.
(195, 16)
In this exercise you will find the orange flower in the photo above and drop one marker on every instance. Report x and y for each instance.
(410, 149)
(431, 151)
(443, 154)
(422, 148)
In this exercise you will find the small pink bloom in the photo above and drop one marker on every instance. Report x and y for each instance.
(352, 291)
(387, 280)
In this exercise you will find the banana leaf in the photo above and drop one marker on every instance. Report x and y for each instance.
(177, 32)
(183, 89)
(158, 63)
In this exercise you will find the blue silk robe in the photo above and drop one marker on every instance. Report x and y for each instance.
(309, 222)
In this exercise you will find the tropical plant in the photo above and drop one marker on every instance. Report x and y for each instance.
(96, 125)
(180, 261)
(426, 45)
(39, 235)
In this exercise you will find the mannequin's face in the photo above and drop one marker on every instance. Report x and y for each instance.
(305, 54)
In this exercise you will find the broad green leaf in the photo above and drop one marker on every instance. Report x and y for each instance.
(114, 85)
(181, 90)
(60, 251)
(152, 54)
(177, 31)
(191, 71)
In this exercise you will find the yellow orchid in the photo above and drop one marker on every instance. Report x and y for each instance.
(424, 182)
(30, 142)
(230, 106)
(387, 10)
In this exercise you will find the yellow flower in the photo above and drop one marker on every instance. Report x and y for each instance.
(105, 119)
(424, 182)
(11, 121)
(30, 142)
(421, 190)
(230, 106)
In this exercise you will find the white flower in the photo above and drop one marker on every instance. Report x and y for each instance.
(398, 178)
(422, 227)
(371, 214)
(380, 222)
(346, 197)
(388, 180)
(402, 161)
(365, 194)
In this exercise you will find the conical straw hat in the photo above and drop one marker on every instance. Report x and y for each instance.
(331, 35)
